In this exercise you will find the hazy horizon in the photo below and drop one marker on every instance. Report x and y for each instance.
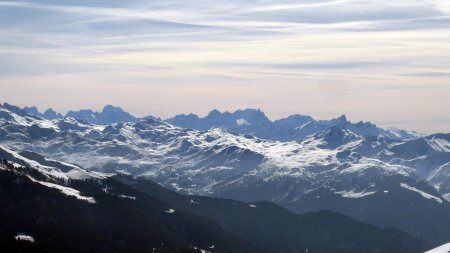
(382, 61)
(204, 113)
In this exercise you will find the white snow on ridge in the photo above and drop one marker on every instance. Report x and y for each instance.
(29, 121)
(424, 194)
(47, 124)
(400, 134)
(76, 173)
(65, 190)
(369, 163)
(441, 145)
(441, 249)
(46, 170)
(355, 195)
(19, 119)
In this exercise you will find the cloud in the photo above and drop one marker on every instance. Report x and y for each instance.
(313, 50)
(294, 6)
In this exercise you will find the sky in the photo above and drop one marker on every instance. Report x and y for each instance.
(384, 61)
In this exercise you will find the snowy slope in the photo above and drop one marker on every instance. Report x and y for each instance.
(441, 249)
(50, 168)
(58, 176)
(217, 160)
(336, 162)
(52, 215)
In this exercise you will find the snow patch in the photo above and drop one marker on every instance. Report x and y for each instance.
(24, 237)
(424, 194)
(81, 174)
(99, 128)
(242, 122)
(65, 190)
(127, 197)
(201, 250)
(354, 195)
(170, 211)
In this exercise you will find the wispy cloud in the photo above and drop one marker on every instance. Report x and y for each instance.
(198, 47)
(294, 6)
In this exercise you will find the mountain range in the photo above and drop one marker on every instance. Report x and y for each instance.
(294, 127)
(384, 177)
(248, 121)
(52, 206)
(109, 114)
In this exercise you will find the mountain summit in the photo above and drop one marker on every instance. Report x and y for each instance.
(294, 127)
(109, 114)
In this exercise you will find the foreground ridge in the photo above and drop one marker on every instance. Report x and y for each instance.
(42, 218)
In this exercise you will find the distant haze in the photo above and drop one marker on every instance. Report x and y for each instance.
(382, 61)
